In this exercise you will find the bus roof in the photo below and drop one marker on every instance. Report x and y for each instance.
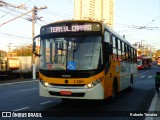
(93, 21)
(119, 36)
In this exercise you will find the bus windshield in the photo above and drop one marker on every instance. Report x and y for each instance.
(71, 53)
(139, 61)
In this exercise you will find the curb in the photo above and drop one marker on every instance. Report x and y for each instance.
(152, 106)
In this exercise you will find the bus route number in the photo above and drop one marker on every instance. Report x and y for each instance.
(78, 81)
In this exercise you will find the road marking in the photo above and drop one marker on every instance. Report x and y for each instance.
(144, 72)
(21, 109)
(150, 76)
(142, 76)
(147, 76)
(46, 102)
(28, 89)
(18, 82)
(152, 107)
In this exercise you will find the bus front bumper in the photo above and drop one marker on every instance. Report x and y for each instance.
(72, 92)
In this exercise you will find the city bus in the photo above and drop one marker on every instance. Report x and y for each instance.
(144, 62)
(83, 59)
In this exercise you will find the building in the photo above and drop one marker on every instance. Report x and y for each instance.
(101, 10)
(3, 55)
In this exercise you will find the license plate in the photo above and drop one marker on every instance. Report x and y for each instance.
(66, 92)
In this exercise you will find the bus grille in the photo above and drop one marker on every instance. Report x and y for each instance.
(73, 94)
(73, 85)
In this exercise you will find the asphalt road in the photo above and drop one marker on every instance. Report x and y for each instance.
(25, 97)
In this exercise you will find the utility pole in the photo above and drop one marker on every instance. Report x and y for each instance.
(9, 50)
(33, 35)
(16, 50)
(34, 13)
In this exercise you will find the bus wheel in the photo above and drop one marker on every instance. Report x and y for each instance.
(114, 91)
(131, 84)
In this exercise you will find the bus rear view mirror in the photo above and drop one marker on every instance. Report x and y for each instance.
(36, 46)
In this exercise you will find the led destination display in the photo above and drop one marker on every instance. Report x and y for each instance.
(64, 28)
(74, 28)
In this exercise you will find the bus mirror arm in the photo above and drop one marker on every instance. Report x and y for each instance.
(37, 54)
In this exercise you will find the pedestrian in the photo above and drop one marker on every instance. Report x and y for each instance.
(157, 81)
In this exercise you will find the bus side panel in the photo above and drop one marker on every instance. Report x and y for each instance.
(125, 75)
(122, 72)
(128, 70)
(111, 75)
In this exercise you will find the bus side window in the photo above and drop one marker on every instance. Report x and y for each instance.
(129, 53)
(126, 52)
(132, 55)
(123, 53)
(107, 37)
(114, 55)
(107, 45)
(135, 56)
(119, 50)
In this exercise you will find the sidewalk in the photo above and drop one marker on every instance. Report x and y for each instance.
(155, 107)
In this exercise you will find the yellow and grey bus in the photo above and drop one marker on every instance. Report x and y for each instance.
(82, 59)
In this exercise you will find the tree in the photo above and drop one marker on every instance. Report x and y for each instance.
(25, 50)
(157, 53)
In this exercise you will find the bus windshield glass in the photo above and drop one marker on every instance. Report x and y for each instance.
(71, 53)
(139, 61)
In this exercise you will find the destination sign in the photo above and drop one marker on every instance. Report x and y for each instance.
(64, 28)
(73, 28)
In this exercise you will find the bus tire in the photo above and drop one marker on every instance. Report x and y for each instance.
(131, 83)
(114, 90)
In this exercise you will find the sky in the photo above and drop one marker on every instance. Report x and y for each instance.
(138, 20)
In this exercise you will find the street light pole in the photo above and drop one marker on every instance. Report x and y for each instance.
(33, 35)
(34, 10)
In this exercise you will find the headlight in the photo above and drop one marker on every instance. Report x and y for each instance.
(45, 84)
(94, 83)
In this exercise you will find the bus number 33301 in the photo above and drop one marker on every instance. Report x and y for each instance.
(78, 81)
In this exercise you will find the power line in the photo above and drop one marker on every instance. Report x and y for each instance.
(71, 2)
(7, 13)
(22, 15)
(2, 3)
(15, 11)
(14, 34)
(149, 23)
(15, 18)
(14, 7)
(11, 35)
(56, 13)
(15, 15)
(26, 2)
